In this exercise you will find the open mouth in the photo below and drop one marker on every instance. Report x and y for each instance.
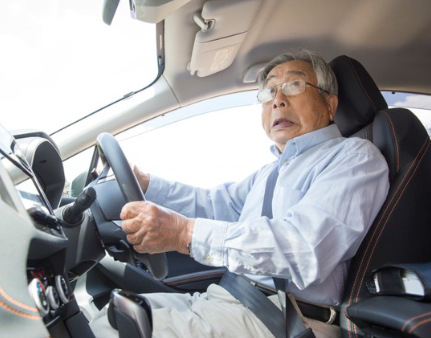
(282, 122)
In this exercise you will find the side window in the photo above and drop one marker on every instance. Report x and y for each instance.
(202, 150)
(209, 143)
(420, 105)
(75, 170)
(220, 140)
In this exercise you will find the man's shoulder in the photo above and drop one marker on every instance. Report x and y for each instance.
(357, 145)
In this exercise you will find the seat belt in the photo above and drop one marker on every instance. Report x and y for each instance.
(269, 192)
(256, 301)
(281, 325)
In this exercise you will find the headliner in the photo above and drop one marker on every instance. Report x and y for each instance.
(391, 38)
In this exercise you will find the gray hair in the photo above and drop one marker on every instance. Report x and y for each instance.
(325, 76)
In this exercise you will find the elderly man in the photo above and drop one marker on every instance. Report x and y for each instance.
(328, 191)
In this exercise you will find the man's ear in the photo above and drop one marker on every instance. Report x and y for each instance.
(332, 101)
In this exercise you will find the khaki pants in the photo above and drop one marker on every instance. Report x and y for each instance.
(215, 313)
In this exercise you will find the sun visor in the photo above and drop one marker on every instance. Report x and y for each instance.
(224, 25)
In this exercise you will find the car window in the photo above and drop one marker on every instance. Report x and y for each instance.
(56, 60)
(420, 105)
(204, 150)
(212, 142)
(205, 144)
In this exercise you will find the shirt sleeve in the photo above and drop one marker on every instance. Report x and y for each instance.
(223, 202)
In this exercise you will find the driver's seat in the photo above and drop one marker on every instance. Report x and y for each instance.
(401, 231)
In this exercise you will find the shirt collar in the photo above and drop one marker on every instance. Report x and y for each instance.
(300, 144)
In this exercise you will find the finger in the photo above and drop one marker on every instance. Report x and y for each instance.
(132, 226)
(130, 210)
(125, 210)
(126, 227)
(133, 239)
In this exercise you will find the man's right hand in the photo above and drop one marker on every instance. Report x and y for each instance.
(143, 179)
(154, 229)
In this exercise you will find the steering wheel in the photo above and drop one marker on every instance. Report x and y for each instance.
(112, 156)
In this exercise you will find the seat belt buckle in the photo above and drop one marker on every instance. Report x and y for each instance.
(332, 316)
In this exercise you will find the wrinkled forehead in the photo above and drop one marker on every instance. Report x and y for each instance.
(296, 69)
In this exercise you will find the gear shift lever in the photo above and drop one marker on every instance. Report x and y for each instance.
(130, 314)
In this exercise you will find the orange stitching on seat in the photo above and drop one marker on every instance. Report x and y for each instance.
(358, 78)
(396, 141)
(388, 205)
(427, 142)
(15, 302)
(19, 313)
(414, 318)
(372, 237)
(364, 256)
(402, 192)
(396, 192)
(393, 208)
(360, 269)
(419, 324)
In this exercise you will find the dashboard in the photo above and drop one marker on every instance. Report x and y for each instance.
(19, 162)
(34, 237)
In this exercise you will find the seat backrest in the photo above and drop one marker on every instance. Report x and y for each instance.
(359, 98)
(401, 231)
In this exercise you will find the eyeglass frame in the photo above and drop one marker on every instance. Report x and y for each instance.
(282, 85)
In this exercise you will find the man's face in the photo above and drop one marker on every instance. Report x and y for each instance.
(286, 117)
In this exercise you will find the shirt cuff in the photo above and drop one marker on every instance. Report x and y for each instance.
(208, 242)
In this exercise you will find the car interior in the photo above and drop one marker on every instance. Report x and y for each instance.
(64, 257)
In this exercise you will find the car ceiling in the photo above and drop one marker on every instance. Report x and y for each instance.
(392, 38)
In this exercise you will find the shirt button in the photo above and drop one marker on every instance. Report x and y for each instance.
(209, 259)
(285, 162)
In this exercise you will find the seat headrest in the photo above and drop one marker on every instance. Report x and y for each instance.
(359, 98)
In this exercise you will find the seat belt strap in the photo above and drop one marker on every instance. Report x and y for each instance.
(294, 327)
(256, 301)
(269, 192)
(280, 284)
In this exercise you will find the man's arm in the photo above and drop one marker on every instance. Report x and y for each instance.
(312, 231)
(154, 229)
(222, 202)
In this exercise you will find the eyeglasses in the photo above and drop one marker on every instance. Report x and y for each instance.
(288, 88)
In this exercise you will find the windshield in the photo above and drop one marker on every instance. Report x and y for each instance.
(61, 62)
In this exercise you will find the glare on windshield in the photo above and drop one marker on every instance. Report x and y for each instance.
(60, 61)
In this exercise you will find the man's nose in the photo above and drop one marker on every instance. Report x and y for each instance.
(280, 100)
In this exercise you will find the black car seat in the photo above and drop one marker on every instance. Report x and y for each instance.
(401, 232)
